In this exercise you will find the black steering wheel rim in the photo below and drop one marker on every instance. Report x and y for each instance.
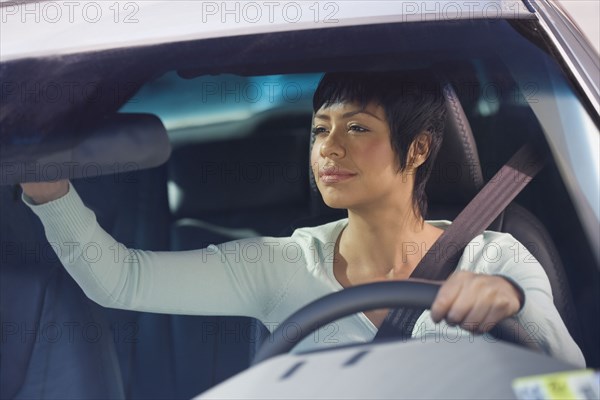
(367, 297)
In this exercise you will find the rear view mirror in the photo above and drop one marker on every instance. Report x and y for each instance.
(122, 143)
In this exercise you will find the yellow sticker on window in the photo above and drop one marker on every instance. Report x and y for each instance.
(580, 384)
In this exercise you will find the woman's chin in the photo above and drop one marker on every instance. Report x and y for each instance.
(336, 206)
(335, 202)
(337, 197)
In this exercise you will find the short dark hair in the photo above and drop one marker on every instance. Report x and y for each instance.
(413, 102)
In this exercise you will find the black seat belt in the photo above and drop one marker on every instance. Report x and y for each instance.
(443, 256)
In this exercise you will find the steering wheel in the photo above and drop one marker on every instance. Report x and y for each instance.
(370, 297)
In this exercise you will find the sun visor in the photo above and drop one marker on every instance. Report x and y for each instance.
(120, 144)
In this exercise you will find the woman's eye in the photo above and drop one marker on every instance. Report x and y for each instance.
(317, 130)
(357, 128)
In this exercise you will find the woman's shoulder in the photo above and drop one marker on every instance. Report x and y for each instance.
(487, 238)
(323, 234)
(491, 250)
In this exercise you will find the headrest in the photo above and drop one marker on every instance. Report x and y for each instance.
(121, 143)
(247, 173)
(456, 176)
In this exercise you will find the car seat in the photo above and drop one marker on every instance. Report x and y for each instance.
(446, 202)
(222, 190)
(456, 178)
(55, 341)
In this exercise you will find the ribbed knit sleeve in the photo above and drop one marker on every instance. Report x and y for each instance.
(226, 279)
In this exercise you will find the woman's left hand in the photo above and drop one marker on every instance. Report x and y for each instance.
(475, 302)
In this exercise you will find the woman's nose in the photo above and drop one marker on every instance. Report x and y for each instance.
(333, 146)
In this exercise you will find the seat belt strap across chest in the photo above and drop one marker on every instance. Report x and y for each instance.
(443, 256)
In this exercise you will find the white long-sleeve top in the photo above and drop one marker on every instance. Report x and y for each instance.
(269, 278)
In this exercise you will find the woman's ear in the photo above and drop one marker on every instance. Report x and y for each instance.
(419, 150)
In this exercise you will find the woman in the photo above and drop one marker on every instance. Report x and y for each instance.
(375, 138)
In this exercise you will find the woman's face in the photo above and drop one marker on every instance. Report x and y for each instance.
(353, 161)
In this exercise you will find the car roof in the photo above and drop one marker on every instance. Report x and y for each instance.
(46, 28)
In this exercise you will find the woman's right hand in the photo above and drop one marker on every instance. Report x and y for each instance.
(44, 192)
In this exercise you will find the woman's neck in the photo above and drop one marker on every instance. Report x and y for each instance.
(383, 244)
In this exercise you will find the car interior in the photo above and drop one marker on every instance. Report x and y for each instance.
(239, 167)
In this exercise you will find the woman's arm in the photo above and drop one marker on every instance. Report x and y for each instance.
(479, 295)
(44, 192)
(218, 280)
(538, 315)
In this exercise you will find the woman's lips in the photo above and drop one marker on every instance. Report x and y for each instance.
(335, 178)
(335, 175)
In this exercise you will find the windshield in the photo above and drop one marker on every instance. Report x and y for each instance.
(209, 146)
